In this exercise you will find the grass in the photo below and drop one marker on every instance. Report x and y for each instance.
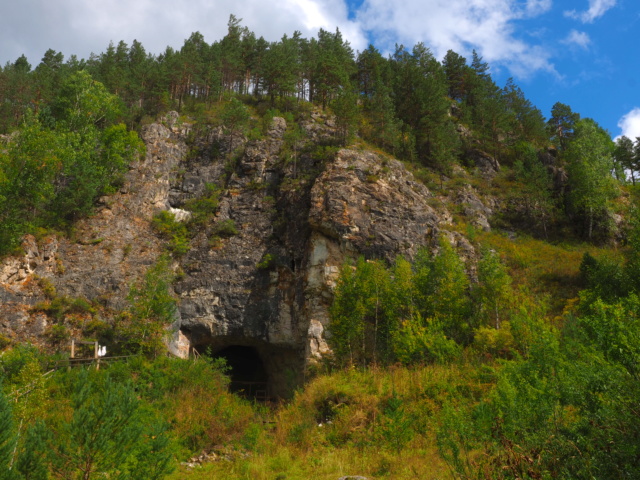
(341, 424)
(545, 268)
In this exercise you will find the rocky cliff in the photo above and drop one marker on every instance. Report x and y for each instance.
(298, 218)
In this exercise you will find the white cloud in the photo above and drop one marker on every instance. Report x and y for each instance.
(597, 8)
(538, 7)
(630, 124)
(460, 25)
(581, 39)
(81, 27)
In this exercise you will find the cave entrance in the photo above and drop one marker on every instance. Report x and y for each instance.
(259, 370)
(247, 372)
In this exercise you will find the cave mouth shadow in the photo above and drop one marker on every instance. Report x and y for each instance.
(258, 370)
(246, 371)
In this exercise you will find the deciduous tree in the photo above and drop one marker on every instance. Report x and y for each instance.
(589, 167)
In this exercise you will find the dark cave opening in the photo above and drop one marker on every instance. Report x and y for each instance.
(258, 370)
(248, 375)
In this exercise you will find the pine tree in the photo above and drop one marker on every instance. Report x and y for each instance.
(107, 436)
(32, 460)
(487, 106)
(232, 64)
(526, 122)
(48, 75)
(422, 105)
(334, 66)
(345, 107)
(458, 74)
(561, 125)
(235, 118)
(536, 191)
(280, 68)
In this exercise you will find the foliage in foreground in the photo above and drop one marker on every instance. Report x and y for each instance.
(128, 421)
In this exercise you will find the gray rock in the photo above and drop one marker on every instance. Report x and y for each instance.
(268, 287)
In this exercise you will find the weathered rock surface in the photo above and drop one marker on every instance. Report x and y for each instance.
(371, 205)
(487, 165)
(475, 209)
(109, 250)
(269, 286)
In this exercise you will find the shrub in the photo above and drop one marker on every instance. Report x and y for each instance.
(57, 334)
(47, 287)
(417, 341)
(496, 342)
(59, 307)
(110, 433)
(225, 229)
(165, 224)
(4, 342)
(267, 262)
(152, 310)
(204, 207)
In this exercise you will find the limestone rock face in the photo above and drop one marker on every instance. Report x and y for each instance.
(477, 211)
(486, 164)
(372, 206)
(108, 251)
(267, 287)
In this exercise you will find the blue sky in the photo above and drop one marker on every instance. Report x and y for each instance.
(578, 52)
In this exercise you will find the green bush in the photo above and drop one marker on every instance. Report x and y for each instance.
(59, 307)
(495, 342)
(143, 326)
(175, 232)
(411, 313)
(110, 432)
(57, 334)
(418, 341)
(267, 262)
(225, 229)
(206, 206)
(48, 289)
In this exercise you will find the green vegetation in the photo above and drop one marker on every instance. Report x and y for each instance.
(165, 223)
(152, 310)
(225, 228)
(129, 420)
(204, 207)
(61, 160)
(521, 363)
(417, 313)
(557, 398)
(267, 262)
(69, 143)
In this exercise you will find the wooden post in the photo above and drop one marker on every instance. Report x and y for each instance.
(95, 355)
(73, 352)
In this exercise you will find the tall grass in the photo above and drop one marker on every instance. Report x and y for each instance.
(378, 423)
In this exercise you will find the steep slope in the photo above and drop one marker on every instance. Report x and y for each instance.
(266, 288)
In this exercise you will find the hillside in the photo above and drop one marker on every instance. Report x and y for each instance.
(398, 268)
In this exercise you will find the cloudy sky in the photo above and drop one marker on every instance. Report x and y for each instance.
(579, 52)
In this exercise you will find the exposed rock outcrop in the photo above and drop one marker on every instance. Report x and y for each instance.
(107, 251)
(269, 286)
